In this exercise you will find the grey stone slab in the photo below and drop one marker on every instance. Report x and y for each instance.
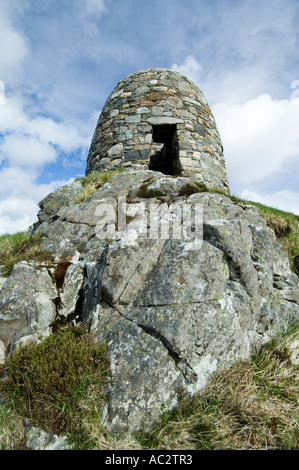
(134, 155)
(159, 120)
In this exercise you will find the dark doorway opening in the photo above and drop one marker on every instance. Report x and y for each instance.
(165, 160)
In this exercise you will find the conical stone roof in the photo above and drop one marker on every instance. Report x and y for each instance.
(158, 119)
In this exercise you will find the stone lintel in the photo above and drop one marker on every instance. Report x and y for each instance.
(134, 155)
(160, 120)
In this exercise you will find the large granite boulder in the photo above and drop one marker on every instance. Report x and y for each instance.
(27, 304)
(171, 310)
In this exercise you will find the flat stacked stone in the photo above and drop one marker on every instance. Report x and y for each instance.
(158, 119)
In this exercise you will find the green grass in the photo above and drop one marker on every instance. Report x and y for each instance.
(21, 247)
(94, 181)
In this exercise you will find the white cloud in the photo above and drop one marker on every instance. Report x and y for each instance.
(27, 152)
(94, 7)
(67, 136)
(19, 209)
(2, 92)
(259, 137)
(190, 68)
(13, 46)
(27, 146)
(16, 215)
(20, 183)
(284, 200)
(63, 134)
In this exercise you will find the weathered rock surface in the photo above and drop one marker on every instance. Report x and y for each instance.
(37, 439)
(53, 205)
(27, 304)
(2, 353)
(170, 315)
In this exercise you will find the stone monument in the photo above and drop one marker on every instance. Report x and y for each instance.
(158, 119)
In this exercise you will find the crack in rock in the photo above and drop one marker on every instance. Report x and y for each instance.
(182, 364)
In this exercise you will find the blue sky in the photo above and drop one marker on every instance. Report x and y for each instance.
(60, 59)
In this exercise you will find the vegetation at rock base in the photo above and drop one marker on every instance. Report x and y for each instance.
(11, 429)
(253, 405)
(53, 382)
(94, 181)
(21, 247)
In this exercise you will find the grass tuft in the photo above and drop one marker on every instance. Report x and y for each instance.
(21, 247)
(11, 430)
(94, 181)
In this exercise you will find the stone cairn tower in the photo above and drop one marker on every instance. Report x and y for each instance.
(159, 120)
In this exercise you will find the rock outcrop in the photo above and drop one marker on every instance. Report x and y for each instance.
(171, 311)
(27, 304)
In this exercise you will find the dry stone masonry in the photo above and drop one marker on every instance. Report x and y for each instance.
(158, 119)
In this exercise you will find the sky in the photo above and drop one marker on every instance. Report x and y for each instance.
(60, 60)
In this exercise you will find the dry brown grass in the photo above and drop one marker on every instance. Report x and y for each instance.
(21, 247)
(12, 430)
(252, 406)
